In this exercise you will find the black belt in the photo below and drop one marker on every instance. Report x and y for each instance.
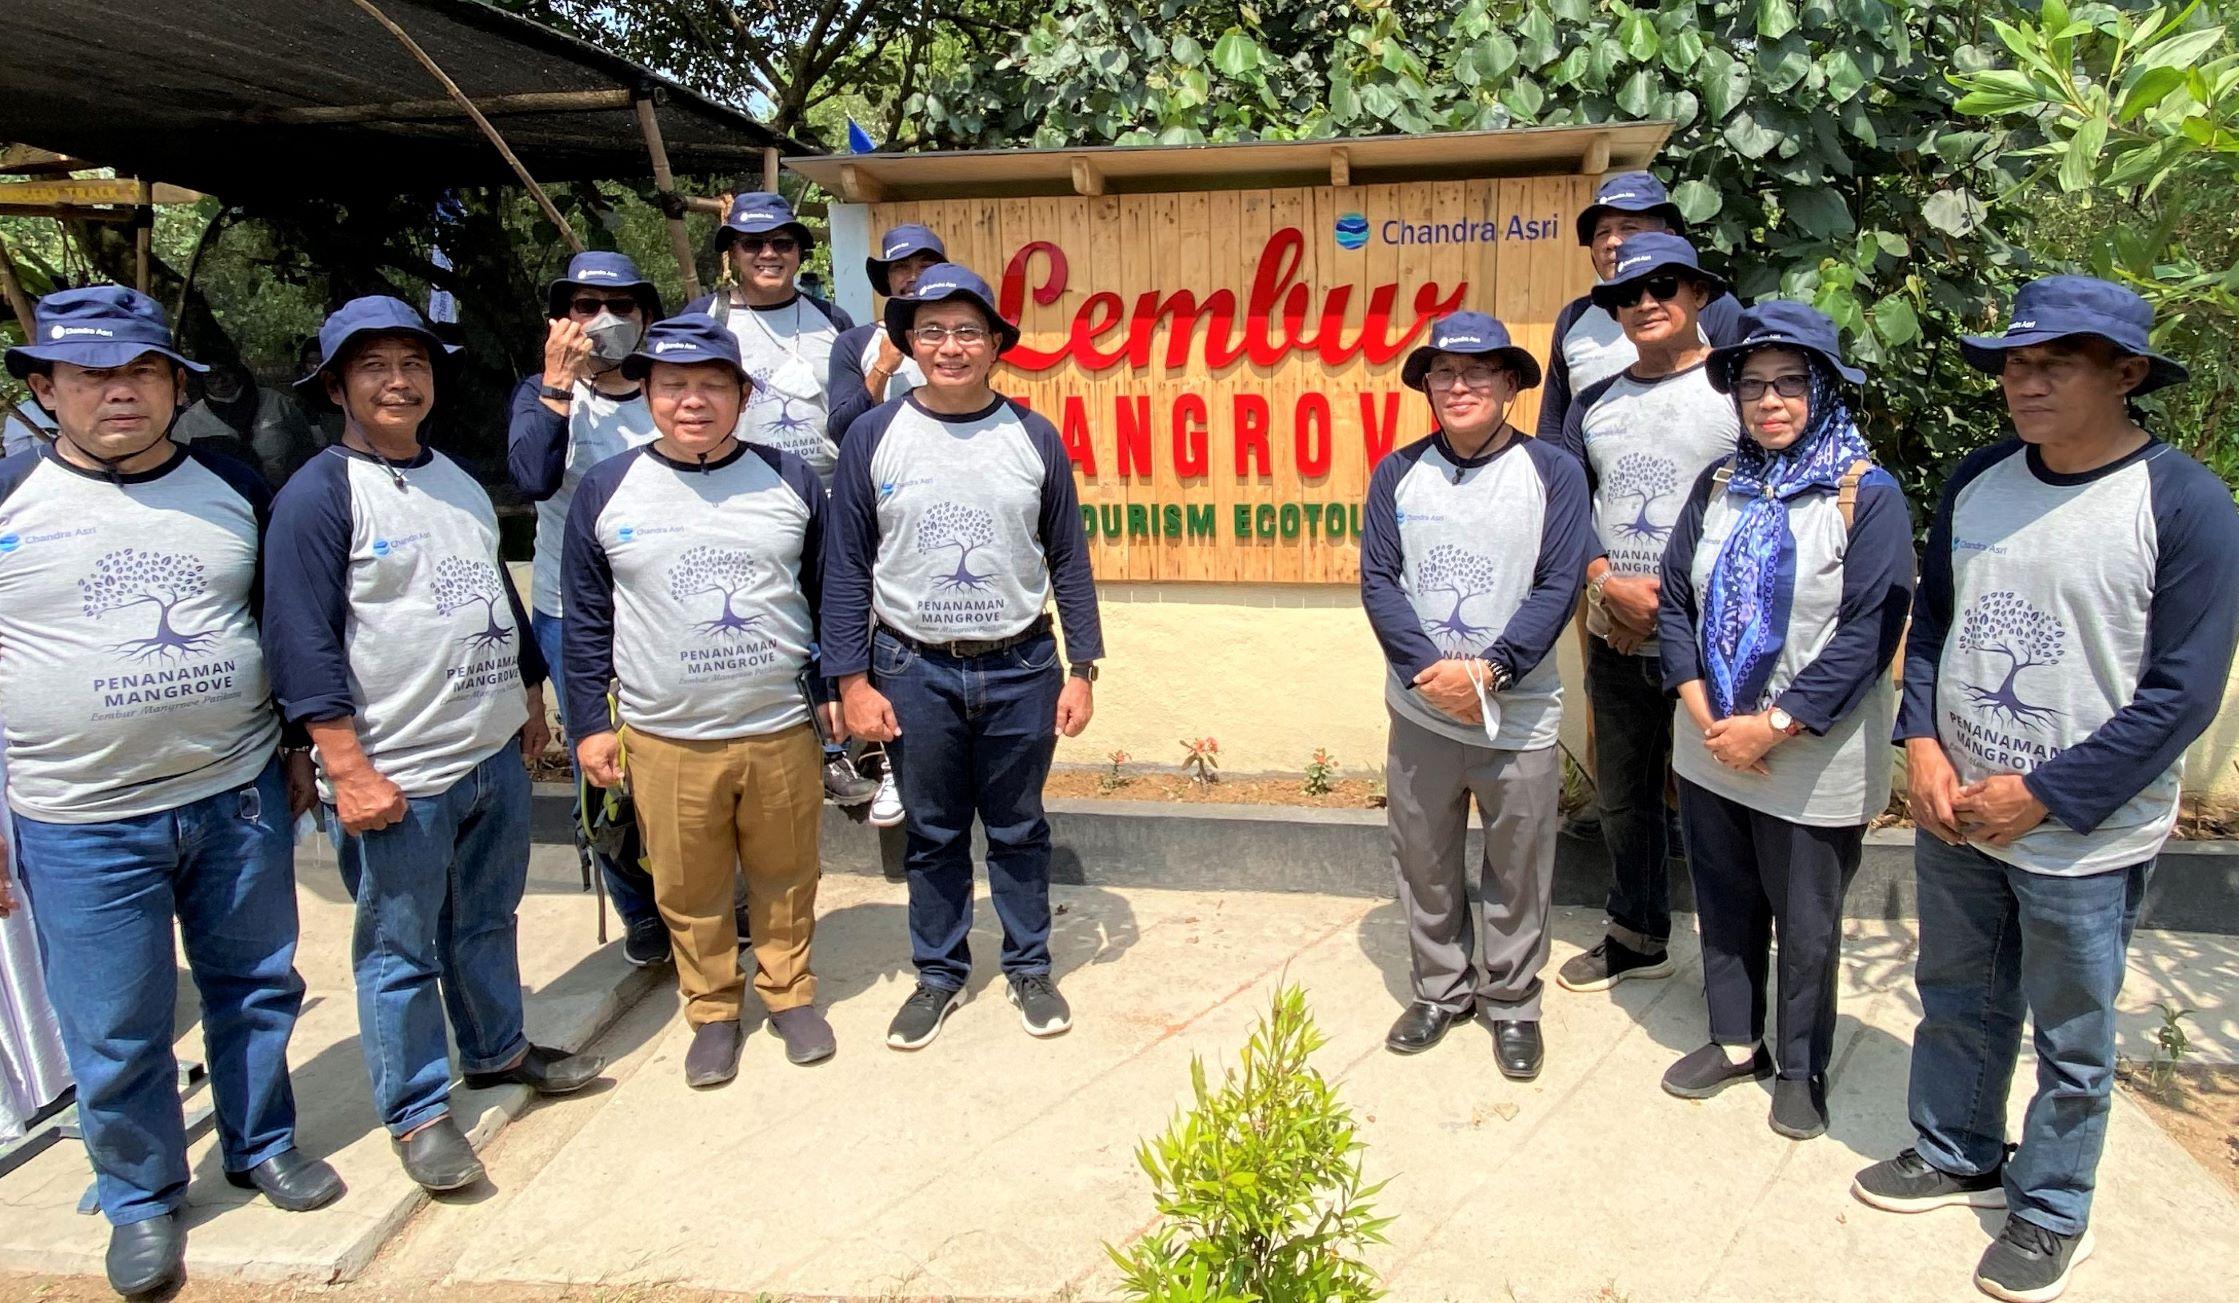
(966, 648)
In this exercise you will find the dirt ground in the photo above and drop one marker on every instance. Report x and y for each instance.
(1344, 794)
(2201, 1112)
(44, 1289)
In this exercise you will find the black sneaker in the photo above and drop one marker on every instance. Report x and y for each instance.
(1040, 1007)
(920, 1017)
(1909, 1183)
(1708, 1070)
(1799, 1107)
(2029, 1264)
(646, 943)
(1611, 962)
(843, 785)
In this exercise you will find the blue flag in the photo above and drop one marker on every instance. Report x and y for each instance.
(858, 140)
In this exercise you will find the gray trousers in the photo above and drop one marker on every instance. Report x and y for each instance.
(1429, 781)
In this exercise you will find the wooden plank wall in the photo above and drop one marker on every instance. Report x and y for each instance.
(1139, 244)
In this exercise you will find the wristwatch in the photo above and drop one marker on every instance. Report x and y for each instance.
(556, 394)
(1783, 722)
(1085, 670)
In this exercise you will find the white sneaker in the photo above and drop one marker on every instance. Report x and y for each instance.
(886, 806)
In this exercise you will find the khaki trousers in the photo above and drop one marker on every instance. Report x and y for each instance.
(705, 807)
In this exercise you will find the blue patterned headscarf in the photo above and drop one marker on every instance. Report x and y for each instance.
(1746, 601)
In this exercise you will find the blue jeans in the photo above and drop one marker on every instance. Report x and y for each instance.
(1997, 942)
(103, 896)
(1632, 753)
(977, 738)
(435, 932)
(627, 885)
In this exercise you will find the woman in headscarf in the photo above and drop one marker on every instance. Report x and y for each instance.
(1785, 588)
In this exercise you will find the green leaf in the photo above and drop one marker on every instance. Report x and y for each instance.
(1683, 52)
(2183, 51)
(1496, 56)
(1895, 321)
(2079, 166)
(1344, 104)
(1954, 212)
(2145, 89)
(1187, 52)
(1638, 92)
(1236, 54)
(1844, 77)
(1698, 200)
(1783, 63)
(1749, 137)
(1637, 35)
(1573, 11)
(1775, 19)
(1819, 212)
(1524, 98)
(1539, 46)
(1725, 82)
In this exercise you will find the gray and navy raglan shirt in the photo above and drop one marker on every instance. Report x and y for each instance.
(130, 671)
(547, 455)
(1476, 557)
(853, 356)
(697, 588)
(1846, 615)
(787, 352)
(387, 601)
(1644, 443)
(1590, 347)
(2077, 630)
(954, 528)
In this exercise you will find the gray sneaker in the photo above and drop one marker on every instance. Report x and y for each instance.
(1909, 1183)
(714, 1056)
(2029, 1264)
(808, 1038)
(1042, 1010)
(920, 1017)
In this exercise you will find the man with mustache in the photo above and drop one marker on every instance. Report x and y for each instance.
(397, 640)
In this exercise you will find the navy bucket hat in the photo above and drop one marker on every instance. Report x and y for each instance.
(375, 314)
(100, 326)
(759, 213)
(1645, 255)
(1472, 334)
(688, 340)
(1780, 323)
(602, 271)
(897, 244)
(2063, 307)
(940, 283)
(1630, 192)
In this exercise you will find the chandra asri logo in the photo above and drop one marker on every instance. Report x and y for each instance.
(1352, 231)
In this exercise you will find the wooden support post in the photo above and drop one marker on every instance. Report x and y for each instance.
(664, 182)
(143, 236)
(561, 101)
(18, 301)
(1340, 166)
(1595, 160)
(859, 186)
(543, 200)
(1086, 179)
(769, 168)
(28, 160)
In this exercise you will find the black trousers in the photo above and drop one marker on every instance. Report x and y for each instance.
(1755, 872)
(1632, 754)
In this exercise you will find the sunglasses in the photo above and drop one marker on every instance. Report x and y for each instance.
(1476, 377)
(591, 306)
(773, 243)
(1787, 386)
(1663, 289)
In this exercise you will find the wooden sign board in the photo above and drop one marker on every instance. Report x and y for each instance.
(1224, 365)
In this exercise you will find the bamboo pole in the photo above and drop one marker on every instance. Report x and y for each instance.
(143, 236)
(664, 181)
(18, 301)
(543, 200)
(563, 101)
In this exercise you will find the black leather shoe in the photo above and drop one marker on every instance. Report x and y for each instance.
(1420, 1027)
(439, 1157)
(293, 1181)
(1519, 1049)
(545, 1070)
(148, 1257)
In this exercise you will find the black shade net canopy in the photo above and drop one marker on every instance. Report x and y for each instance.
(250, 99)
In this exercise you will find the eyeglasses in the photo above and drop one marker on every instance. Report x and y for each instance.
(1787, 386)
(1476, 377)
(773, 243)
(1663, 289)
(935, 336)
(589, 306)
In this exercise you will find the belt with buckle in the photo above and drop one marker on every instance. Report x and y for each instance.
(966, 648)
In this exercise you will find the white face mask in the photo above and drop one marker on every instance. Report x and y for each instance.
(795, 378)
(612, 337)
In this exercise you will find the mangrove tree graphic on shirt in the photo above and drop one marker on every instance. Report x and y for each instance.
(784, 427)
(1642, 479)
(952, 525)
(1456, 572)
(2001, 624)
(715, 571)
(460, 583)
(130, 578)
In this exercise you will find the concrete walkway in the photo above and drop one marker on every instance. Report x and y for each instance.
(993, 1166)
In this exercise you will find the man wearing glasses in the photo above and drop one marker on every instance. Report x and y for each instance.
(954, 521)
(785, 337)
(1646, 434)
(579, 411)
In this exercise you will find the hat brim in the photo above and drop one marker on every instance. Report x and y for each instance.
(96, 354)
(314, 384)
(1727, 360)
(1604, 295)
(638, 365)
(1666, 209)
(877, 268)
(727, 233)
(1514, 357)
(900, 313)
(648, 298)
(1987, 354)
